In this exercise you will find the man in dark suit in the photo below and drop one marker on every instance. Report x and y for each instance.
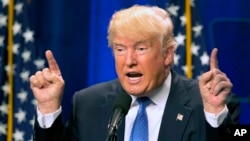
(142, 41)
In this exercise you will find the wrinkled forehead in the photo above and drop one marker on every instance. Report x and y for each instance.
(127, 41)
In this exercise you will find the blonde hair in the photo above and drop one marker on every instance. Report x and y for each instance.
(142, 22)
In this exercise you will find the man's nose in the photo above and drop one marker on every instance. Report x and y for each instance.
(131, 58)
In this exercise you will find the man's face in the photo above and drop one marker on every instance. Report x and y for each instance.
(140, 65)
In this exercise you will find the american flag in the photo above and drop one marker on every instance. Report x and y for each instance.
(200, 57)
(26, 61)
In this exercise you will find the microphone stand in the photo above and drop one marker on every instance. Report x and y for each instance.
(112, 138)
(112, 132)
(113, 125)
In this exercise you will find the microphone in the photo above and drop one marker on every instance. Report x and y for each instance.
(120, 109)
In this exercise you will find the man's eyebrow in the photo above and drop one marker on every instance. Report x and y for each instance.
(146, 42)
(138, 42)
(117, 44)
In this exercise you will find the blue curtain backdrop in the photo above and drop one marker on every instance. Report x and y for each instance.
(76, 30)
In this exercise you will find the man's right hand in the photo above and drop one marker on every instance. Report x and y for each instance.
(47, 86)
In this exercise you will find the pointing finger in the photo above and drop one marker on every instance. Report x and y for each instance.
(213, 59)
(53, 66)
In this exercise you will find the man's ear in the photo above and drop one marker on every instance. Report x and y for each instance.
(169, 55)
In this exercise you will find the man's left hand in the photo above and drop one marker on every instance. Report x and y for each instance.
(214, 86)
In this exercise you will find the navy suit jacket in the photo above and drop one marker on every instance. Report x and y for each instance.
(92, 109)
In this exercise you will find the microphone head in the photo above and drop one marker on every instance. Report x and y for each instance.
(123, 101)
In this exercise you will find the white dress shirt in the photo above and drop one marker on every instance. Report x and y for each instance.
(156, 109)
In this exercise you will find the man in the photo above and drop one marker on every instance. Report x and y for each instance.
(143, 45)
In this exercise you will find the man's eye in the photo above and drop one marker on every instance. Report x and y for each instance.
(141, 50)
(119, 50)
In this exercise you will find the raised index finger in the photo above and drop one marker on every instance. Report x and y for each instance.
(213, 59)
(53, 66)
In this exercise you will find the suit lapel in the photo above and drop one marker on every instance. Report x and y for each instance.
(106, 112)
(176, 114)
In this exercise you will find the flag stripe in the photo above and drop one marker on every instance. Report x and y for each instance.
(188, 38)
(10, 72)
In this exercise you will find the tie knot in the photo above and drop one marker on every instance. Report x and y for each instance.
(143, 101)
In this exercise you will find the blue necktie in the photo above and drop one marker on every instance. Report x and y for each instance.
(140, 127)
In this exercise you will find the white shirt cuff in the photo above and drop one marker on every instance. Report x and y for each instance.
(46, 120)
(216, 120)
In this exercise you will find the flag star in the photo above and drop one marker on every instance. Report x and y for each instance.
(172, 9)
(7, 68)
(3, 20)
(2, 41)
(17, 28)
(39, 63)
(5, 3)
(180, 39)
(4, 108)
(19, 8)
(185, 69)
(3, 128)
(34, 102)
(22, 96)
(31, 138)
(32, 121)
(183, 20)
(15, 48)
(197, 30)
(26, 55)
(176, 59)
(25, 76)
(28, 35)
(192, 3)
(18, 135)
(5, 88)
(195, 49)
(20, 115)
(204, 59)
(198, 76)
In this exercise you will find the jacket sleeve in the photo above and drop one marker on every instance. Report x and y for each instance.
(224, 131)
(54, 133)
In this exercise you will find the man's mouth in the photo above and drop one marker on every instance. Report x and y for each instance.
(134, 76)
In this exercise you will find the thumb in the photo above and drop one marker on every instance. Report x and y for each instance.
(52, 77)
(205, 78)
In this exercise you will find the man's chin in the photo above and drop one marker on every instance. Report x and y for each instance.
(137, 93)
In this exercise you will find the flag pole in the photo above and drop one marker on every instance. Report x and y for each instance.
(188, 38)
(10, 71)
